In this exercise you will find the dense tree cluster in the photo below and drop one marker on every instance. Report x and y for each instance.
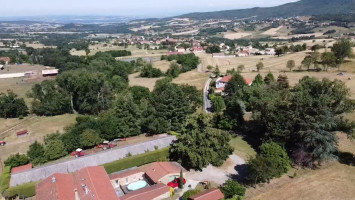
(303, 118)
(272, 161)
(232, 189)
(149, 71)
(187, 62)
(16, 160)
(213, 49)
(11, 106)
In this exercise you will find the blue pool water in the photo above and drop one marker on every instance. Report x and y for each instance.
(137, 185)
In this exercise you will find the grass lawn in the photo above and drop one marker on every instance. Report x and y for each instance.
(242, 148)
(23, 191)
(137, 160)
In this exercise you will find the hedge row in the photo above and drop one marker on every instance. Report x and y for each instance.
(22, 191)
(137, 160)
(5, 179)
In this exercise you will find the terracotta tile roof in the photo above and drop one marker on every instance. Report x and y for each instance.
(158, 170)
(125, 173)
(56, 187)
(226, 79)
(211, 194)
(90, 182)
(21, 168)
(248, 81)
(147, 193)
(5, 59)
(93, 183)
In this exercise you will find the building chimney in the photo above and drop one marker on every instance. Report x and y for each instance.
(76, 194)
(53, 179)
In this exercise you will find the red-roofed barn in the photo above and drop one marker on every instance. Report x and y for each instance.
(211, 194)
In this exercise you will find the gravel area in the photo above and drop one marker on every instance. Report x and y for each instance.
(217, 174)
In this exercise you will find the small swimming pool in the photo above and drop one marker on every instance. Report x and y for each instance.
(137, 185)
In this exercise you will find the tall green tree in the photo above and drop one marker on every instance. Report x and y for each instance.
(169, 107)
(35, 153)
(328, 60)
(235, 85)
(49, 99)
(291, 64)
(90, 138)
(232, 189)
(269, 78)
(200, 145)
(55, 149)
(258, 80)
(342, 49)
(218, 104)
(16, 160)
(259, 66)
(307, 61)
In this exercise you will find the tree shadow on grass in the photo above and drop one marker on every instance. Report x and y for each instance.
(242, 173)
(252, 133)
(347, 158)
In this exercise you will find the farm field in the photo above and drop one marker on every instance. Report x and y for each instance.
(163, 65)
(37, 45)
(109, 47)
(233, 35)
(135, 80)
(21, 85)
(272, 31)
(193, 78)
(37, 126)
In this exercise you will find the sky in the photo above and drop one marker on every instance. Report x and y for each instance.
(139, 8)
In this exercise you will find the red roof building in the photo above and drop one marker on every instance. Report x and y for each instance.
(162, 171)
(93, 183)
(21, 133)
(158, 191)
(90, 183)
(18, 169)
(5, 59)
(211, 194)
(56, 187)
(222, 82)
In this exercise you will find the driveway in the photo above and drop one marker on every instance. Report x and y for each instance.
(206, 100)
(218, 174)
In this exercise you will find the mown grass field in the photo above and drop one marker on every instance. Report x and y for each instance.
(137, 160)
(38, 127)
(242, 148)
(332, 181)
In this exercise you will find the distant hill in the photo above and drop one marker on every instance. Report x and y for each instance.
(299, 8)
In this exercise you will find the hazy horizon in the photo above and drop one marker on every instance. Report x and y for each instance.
(133, 8)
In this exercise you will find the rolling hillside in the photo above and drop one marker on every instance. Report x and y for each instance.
(300, 8)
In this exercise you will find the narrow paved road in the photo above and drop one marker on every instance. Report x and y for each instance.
(206, 100)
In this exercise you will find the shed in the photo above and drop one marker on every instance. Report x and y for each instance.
(211, 194)
(22, 133)
(18, 169)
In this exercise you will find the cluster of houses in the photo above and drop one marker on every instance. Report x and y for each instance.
(149, 182)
